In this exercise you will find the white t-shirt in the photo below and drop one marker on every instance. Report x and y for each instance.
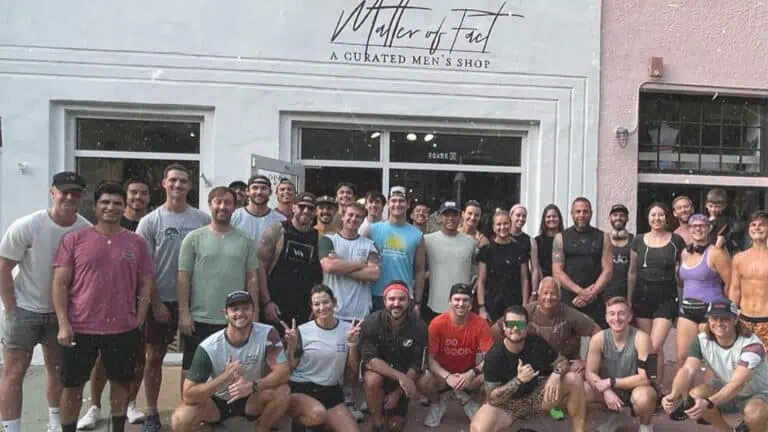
(449, 259)
(323, 354)
(253, 225)
(32, 240)
(353, 296)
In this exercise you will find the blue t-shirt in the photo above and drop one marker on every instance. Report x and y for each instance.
(397, 246)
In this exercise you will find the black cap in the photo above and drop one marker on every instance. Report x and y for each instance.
(238, 297)
(723, 309)
(68, 180)
(449, 206)
(619, 208)
(306, 198)
(326, 199)
(460, 288)
(260, 179)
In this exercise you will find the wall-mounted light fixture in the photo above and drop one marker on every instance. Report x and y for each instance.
(656, 67)
(622, 136)
(205, 180)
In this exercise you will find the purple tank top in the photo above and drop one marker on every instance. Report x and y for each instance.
(701, 282)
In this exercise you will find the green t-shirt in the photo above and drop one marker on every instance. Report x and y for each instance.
(218, 264)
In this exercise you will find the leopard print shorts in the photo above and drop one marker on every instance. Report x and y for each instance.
(758, 326)
(526, 407)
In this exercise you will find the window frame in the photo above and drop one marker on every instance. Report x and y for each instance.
(515, 130)
(66, 115)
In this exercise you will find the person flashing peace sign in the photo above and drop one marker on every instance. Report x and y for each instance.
(322, 353)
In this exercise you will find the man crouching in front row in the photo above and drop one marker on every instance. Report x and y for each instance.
(514, 379)
(227, 377)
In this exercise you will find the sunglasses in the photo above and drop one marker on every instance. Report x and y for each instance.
(515, 324)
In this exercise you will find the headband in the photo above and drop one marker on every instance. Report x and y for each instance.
(396, 286)
(517, 206)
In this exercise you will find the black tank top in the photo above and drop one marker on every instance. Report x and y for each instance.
(544, 245)
(583, 257)
(617, 286)
(524, 241)
(296, 271)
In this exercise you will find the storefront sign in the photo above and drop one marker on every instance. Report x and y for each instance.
(379, 32)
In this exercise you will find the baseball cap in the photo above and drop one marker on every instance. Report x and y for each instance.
(449, 206)
(619, 208)
(238, 297)
(306, 198)
(260, 179)
(723, 309)
(397, 190)
(460, 288)
(68, 180)
(326, 199)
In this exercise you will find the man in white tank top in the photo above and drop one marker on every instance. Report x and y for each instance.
(228, 374)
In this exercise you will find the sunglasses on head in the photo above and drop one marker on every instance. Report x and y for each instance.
(515, 324)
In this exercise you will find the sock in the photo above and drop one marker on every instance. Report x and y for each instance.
(53, 417)
(69, 427)
(645, 428)
(118, 423)
(12, 425)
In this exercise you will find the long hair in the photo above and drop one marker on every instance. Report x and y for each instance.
(741, 330)
(542, 225)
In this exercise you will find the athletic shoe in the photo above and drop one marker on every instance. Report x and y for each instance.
(462, 396)
(90, 419)
(151, 424)
(470, 408)
(363, 406)
(134, 415)
(436, 413)
(356, 413)
(54, 428)
(424, 401)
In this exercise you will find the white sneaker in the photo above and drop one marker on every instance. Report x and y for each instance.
(53, 429)
(90, 419)
(134, 415)
(470, 408)
(436, 413)
(352, 407)
(462, 396)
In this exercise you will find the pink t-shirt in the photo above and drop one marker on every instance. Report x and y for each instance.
(106, 271)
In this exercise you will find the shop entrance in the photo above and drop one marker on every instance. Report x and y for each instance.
(434, 166)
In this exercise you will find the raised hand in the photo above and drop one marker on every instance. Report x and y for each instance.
(525, 372)
(291, 336)
(353, 335)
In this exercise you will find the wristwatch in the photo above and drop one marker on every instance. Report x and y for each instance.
(476, 371)
(710, 404)
(256, 385)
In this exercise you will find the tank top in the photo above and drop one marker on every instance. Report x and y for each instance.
(583, 257)
(618, 363)
(701, 282)
(617, 286)
(297, 269)
(544, 245)
(323, 354)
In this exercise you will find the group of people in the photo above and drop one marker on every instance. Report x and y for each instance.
(287, 311)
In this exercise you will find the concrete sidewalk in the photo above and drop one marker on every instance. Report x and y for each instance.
(35, 412)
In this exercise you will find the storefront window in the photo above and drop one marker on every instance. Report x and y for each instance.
(323, 181)
(445, 148)
(340, 144)
(701, 134)
(116, 149)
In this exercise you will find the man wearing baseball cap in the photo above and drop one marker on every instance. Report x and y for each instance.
(326, 212)
(738, 361)
(449, 258)
(622, 246)
(240, 371)
(393, 342)
(30, 244)
(288, 251)
(458, 341)
(256, 216)
(402, 251)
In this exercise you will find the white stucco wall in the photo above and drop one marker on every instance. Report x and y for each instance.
(250, 66)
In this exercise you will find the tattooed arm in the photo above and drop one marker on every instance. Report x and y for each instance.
(558, 266)
(267, 244)
(498, 394)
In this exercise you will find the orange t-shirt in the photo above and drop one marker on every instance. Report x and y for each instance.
(456, 347)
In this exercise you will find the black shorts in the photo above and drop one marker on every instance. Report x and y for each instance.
(329, 396)
(235, 409)
(118, 353)
(654, 301)
(157, 333)
(694, 310)
(401, 409)
(427, 314)
(201, 333)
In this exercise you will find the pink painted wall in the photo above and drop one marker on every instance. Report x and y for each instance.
(721, 43)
